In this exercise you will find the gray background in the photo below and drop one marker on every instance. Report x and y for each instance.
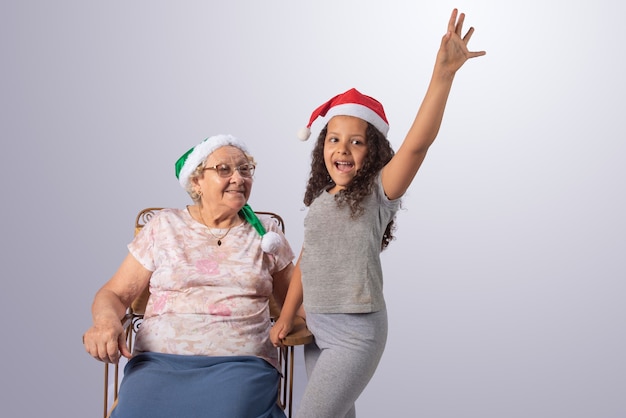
(505, 285)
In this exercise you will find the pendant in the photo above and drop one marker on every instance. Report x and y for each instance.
(219, 242)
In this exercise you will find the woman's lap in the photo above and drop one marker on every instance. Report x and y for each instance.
(166, 385)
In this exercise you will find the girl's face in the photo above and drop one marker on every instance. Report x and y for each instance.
(345, 149)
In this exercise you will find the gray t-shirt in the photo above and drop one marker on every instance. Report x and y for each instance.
(340, 264)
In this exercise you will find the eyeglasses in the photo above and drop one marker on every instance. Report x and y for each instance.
(225, 170)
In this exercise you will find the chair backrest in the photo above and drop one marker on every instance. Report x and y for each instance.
(138, 306)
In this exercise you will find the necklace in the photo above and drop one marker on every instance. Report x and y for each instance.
(219, 239)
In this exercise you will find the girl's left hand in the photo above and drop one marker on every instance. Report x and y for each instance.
(453, 51)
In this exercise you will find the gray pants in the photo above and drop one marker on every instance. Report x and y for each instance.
(341, 361)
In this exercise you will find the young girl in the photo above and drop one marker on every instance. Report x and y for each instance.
(353, 194)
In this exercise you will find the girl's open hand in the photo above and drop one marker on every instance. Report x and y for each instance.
(453, 51)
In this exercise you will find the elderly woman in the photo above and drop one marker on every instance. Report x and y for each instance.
(203, 349)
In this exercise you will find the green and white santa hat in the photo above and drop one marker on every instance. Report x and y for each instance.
(189, 161)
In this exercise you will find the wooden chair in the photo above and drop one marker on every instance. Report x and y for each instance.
(300, 334)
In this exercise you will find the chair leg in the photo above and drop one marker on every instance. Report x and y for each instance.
(106, 389)
(282, 387)
(291, 362)
(112, 408)
(285, 389)
(117, 376)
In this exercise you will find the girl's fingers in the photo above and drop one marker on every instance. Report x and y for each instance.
(459, 25)
(452, 21)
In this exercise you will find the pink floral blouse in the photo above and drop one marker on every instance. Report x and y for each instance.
(207, 299)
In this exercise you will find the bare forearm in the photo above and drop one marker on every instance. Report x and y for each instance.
(107, 306)
(293, 300)
(400, 171)
(427, 122)
(281, 284)
(398, 174)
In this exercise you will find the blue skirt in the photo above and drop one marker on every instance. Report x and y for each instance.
(166, 385)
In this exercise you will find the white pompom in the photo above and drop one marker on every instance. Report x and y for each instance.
(304, 134)
(270, 243)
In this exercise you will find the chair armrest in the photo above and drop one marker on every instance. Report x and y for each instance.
(127, 319)
(299, 334)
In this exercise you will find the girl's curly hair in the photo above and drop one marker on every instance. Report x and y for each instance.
(379, 152)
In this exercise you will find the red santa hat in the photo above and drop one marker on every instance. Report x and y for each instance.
(350, 103)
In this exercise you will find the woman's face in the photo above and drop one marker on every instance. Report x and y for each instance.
(225, 193)
(345, 149)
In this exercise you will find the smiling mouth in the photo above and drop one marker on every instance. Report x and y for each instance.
(344, 166)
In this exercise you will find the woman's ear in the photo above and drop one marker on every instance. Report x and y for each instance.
(195, 185)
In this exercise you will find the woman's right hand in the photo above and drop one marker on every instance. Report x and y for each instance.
(106, 341)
